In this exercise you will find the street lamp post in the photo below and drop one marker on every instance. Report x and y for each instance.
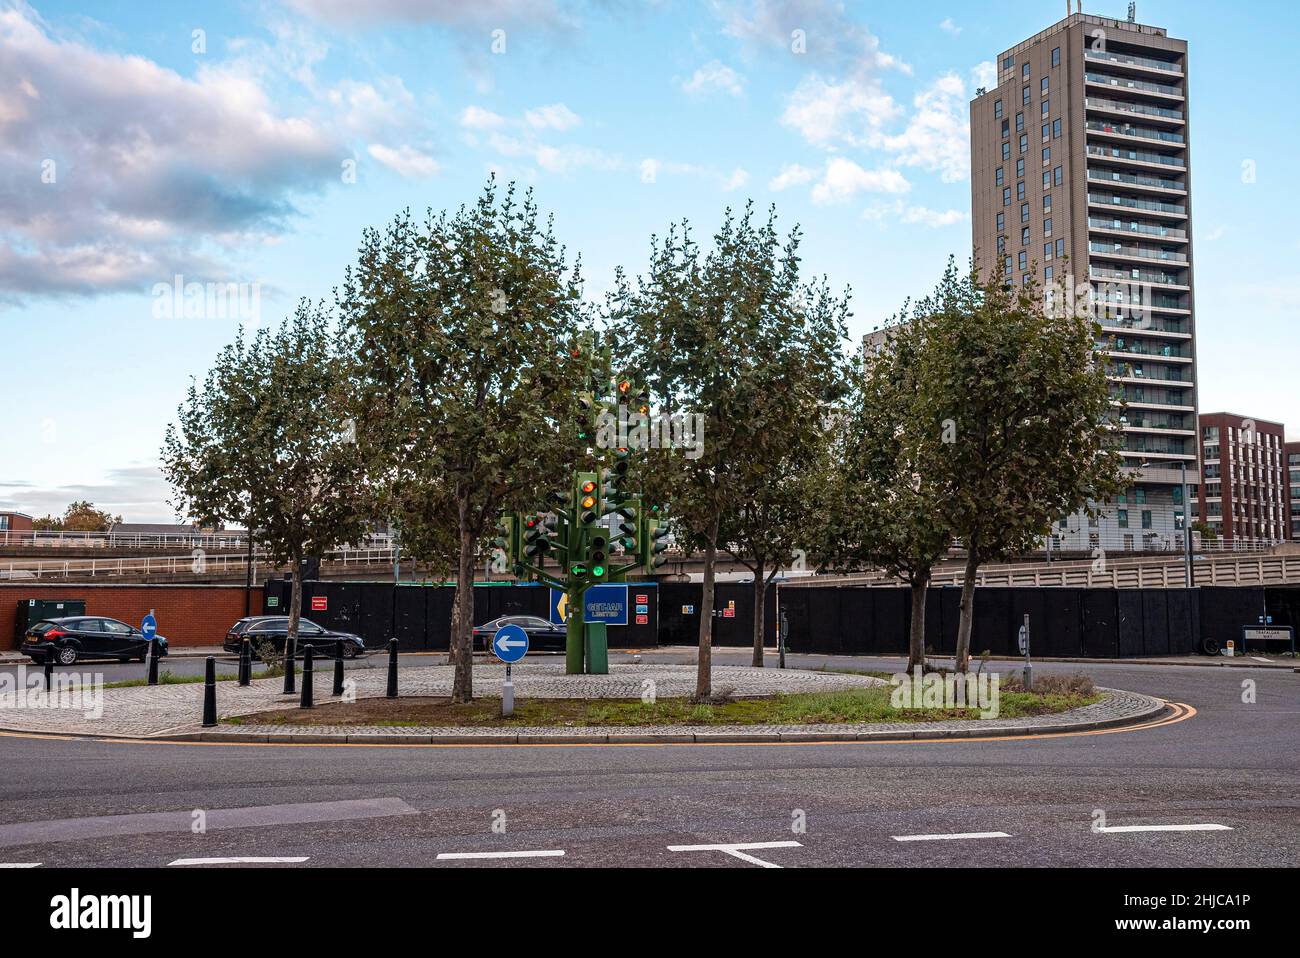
(1189, 573)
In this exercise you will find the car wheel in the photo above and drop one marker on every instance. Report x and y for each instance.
(349, 650)
(67, 655)
(1209, 646)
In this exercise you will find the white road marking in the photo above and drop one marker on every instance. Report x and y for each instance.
(1258, 659)
(241, 860)
(738, 850)
(537, 853)
(20, 864)
(946, 838)
(1207, 827)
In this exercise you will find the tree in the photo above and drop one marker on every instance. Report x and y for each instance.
(709, 332)
(1019, 386)
(80, 516)
(266, 440)
(463, 330)
(767, 527)
(888, 492)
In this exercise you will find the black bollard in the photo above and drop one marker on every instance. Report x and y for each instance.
(245, 663)
(49, 670)
(338, 668)
(392, 668)
(288, 669)
(153, 661)
(210, 692)
(307, 684)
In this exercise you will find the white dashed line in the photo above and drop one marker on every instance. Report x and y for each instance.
(20, 864)
(738, 850)
(240, 860)
(1207, 827)
(539, 853)
(948, 838)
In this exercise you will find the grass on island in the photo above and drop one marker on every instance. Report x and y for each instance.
(870, 705)
(171, 678)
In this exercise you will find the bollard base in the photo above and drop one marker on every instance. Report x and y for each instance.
(507, 699)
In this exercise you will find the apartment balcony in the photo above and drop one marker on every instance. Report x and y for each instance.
(1128, 133)
(1131, 377)
(1141, 158)
(1149, 328)
(1137, 230)
(1157, 183)
(1160, 280)
(1139, 66)
(1130, 85)
(1139, 253)
(1110, 201)
(1159, 406)
(1146, 112)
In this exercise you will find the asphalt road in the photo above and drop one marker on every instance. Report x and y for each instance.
(1030, 802)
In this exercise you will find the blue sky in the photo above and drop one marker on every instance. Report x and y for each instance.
(133, 149)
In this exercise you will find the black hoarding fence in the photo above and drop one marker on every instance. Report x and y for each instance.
(680, 610)
(419, 616)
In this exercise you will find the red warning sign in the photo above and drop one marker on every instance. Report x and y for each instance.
(320, 603)
(642, 599)
(728, 613)
(643, 620)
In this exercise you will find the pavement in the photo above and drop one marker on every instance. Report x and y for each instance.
(1219, 787)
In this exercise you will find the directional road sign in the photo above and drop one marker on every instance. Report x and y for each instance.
(510, 643)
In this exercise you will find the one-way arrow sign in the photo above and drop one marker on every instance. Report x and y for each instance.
(510, 644)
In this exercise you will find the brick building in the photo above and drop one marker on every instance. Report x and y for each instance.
(1243, 493)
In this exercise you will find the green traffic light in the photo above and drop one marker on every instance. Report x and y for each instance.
(578, 570)
(598, 571)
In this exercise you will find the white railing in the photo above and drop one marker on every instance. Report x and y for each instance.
(200, 564)
(208, 541)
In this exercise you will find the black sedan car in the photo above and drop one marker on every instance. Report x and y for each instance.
(543, 636)
(275, 629)
(86, 637)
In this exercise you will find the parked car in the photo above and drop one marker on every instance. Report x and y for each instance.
(275, 629)
(86, 637)
(542, 635)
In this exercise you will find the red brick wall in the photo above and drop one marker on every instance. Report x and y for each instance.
(188, 615)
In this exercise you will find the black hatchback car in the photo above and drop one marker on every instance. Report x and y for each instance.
(543, 636)
(86, 637)
(275, 629)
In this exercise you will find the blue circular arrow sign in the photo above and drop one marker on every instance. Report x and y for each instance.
(510, 644)
(149, 627)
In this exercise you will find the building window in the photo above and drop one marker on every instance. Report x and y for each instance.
(1047, 252)
(1058, 175)
(1006, 196)
(1146, 518)
(1140, 496)
(1020, 190)
(1024, 96)
(1002, 244)
(1024, 72)
(1044, 87)
(1006, 151)
(1047, 202)
(997, 110)
(1024, 236)
(1002, 222)
(1047, 108)
(1024, 212)
(1047, 156)
(1008, 63)
(1020, 122)
(1056, 129)
(1123, 518)
(1047, 274)
(1024, 143)
(1007, 262)
(1047, 179)
(998, 178)
(1024, 260)
(1060, 248)
(1020, 169)
(1047, 132)
(1056, 57)
(1047, 227)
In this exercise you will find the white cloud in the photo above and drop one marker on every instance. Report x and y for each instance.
(406, 160)
(933, 218)
(842, 179)
(792, 174)
(477, 118)
(149, 167)
(556, 116)
(852, 111)
(458, 13)
(947, 26)
(831, 38)
(985, 75)
(937, 137)
(1215, 234)
(649, 170)
(715, 77)
(736, 180)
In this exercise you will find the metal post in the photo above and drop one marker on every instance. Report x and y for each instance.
(153, 661)
(392, 669)
(508, 695)
(1189, 572)
(210, 692)
(307, 684)
(245, 662)
(49, 670)
(1029, 669)
(783, 626)
(338, 668)
(248, 573)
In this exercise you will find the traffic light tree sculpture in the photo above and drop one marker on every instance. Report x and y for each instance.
(597, 531)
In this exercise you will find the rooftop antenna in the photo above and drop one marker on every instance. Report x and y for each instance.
(1132, 12)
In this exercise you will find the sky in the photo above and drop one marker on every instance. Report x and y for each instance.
(144, 145)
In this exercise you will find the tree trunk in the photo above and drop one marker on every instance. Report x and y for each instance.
(704, 668)
(760, 592)
(967, 619)
(461, 640)
(916, 641)
(295, 613)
